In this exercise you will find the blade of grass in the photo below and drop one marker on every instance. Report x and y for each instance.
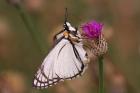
(101, 75)
(36, 35)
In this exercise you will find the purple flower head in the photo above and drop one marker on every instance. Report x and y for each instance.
(92, 29)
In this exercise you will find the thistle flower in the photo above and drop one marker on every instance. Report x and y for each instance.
(92, 31)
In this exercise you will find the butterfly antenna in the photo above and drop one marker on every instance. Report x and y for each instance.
(66, 15)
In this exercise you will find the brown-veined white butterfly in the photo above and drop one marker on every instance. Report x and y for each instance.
(64, 61)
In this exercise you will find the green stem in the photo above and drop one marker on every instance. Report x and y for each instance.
(36, 35)
(101, 75)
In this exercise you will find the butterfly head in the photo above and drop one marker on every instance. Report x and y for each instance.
(68, 28)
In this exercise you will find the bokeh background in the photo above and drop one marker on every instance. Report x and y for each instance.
(20, 56)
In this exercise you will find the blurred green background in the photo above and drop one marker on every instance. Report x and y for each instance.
(20, 56)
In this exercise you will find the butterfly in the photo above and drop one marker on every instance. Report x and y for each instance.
(64, 61)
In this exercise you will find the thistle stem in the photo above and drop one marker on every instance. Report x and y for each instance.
(101, 75)
(36, 35)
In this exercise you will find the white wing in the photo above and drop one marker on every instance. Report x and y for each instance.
(65, 61)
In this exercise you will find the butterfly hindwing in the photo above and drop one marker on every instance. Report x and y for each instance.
(65, 61)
